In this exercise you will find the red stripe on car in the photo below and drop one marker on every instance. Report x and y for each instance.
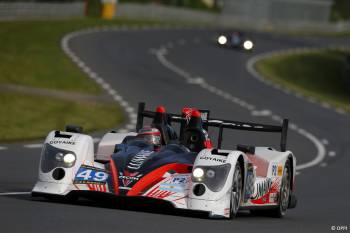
(156, 176)
(114, 173)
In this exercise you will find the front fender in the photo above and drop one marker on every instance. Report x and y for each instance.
(62, 142)
(216, 202)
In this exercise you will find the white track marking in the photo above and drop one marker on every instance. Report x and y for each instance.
(264, 112)
(321, 151)
(252, 61)
(130, 111)
(160, 54)
(325, 141)
(3, 148)
(14, 193)
(332, 153)
(340, 111)
(323, 165)
(33, 146)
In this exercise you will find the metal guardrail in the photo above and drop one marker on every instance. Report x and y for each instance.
(30, 10)
(34, 10)
(159, 12)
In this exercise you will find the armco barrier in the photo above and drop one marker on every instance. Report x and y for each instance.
(35, 10)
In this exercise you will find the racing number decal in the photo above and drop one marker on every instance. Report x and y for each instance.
(90, 175)
(179, 180)
(274, 170)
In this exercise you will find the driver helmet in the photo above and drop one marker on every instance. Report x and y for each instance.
(150, 135)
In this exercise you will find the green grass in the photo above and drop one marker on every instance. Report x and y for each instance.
(26, 117)
(340, 10)
(317, 74)
(30, 55)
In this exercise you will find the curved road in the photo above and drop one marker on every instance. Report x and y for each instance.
(179, 68)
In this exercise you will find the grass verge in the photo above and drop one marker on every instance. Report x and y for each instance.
(317, 74)
(31, 56)
(26, 117)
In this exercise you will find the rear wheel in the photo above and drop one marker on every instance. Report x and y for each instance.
(236, 191)
(284, 193)
(284, 196)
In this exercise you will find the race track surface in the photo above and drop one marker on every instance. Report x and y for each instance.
(169, 67)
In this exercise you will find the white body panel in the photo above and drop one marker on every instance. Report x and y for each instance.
(83, 147)
(175, 188)
(107, 144)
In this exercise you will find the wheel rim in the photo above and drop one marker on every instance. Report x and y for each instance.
(236, 192)
(285, 190)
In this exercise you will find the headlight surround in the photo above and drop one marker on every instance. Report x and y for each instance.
(214, 177)
(248, 45)
(52, 157)
(222, 40)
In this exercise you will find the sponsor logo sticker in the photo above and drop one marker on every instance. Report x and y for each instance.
(211, 158)
(129, 177)
(280, 170)
(137, 161)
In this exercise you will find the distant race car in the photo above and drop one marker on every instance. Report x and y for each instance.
(186, 171)
(235, 40)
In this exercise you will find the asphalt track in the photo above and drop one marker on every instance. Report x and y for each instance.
(169, 67)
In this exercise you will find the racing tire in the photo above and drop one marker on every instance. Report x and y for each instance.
(285, 193)
(284, 196)
(236, 191)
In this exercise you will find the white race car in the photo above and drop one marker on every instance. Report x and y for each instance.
(187, 171)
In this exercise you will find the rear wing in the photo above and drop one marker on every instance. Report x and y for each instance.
(218, 123)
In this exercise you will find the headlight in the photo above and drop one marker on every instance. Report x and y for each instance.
(214, 177)
(53, 157)
(59, 156)
(198, 173)
(210, 173)
(222, 40)
(248, 44)
(69, 158)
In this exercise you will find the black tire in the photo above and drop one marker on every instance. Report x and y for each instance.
(283, 200)
(236, 191)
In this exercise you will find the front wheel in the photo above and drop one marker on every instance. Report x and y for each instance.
(236, 191)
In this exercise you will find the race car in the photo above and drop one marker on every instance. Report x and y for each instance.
(236, 40)
(183, 168)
